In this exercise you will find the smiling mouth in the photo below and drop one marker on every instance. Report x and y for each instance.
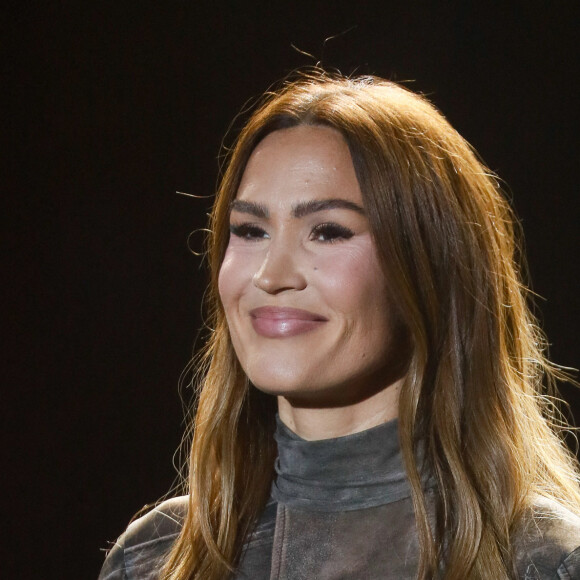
(278, 322)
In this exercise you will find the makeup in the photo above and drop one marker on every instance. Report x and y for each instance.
(278, 322)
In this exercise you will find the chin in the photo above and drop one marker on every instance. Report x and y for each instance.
(301, 391)
(282, 386)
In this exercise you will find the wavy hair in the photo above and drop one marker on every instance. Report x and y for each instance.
(477, 395)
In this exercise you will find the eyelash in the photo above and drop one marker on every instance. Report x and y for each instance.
(248, 232)
(331, 232)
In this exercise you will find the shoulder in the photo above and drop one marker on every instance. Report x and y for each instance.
(162, 521)
(140, 549)
(548, 542)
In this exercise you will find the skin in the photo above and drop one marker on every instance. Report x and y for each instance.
(303, 290)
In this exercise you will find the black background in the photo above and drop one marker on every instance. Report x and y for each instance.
(111, 108)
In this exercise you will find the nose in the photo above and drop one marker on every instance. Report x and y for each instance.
(281, 270)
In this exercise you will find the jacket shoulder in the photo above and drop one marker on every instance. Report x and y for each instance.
(548, 542)
(139, 551)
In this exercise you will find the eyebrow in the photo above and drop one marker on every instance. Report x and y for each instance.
(256, 209)
(307, 207)
(300, 210)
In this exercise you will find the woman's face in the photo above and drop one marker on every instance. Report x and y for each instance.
(303, 291)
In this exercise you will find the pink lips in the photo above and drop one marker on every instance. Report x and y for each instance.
(276, 322)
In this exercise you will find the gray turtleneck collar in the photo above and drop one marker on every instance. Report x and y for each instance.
(357, 471)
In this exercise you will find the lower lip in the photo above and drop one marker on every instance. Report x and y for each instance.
(284, 328)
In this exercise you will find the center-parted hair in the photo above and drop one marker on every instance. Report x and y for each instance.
(475, 399)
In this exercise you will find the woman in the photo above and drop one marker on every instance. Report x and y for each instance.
(364, 283)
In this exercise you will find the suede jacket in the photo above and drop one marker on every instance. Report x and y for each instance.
(340, 509)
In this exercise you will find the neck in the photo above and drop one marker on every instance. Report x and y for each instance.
(315, 423)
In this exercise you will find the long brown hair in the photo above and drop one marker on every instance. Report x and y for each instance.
(476, 396)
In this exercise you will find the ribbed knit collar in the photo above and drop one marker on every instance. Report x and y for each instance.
(357, 471)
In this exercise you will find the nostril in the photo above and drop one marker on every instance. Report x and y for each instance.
(279, 273)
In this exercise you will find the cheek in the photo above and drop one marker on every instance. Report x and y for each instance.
(230, 278)
(354, 283)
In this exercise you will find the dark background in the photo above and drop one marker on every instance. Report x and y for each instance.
(111, 108)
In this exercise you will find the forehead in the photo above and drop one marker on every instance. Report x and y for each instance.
(298, 164)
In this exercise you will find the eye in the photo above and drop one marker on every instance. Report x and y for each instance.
(248, 232)
(330, 232)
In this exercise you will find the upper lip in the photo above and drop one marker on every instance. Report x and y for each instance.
(284, 313)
